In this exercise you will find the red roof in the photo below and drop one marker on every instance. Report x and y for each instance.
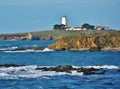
(99, 27)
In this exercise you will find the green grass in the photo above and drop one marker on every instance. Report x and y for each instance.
(62, 33)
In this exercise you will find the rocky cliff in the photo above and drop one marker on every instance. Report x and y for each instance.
(86, 43)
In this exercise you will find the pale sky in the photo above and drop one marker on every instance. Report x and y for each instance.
(36, 15)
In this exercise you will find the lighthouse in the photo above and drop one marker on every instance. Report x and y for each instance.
(64, 21)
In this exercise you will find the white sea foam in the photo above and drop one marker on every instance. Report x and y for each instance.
(14, 47)
(32, 67)
(3, 74)
(100, 66)
(75, 73)
(28, 50)
(104, 67)
(47, 49)
(20, 51)
(2, 49)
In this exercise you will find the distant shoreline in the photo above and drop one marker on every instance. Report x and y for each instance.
(32, 49)
(88, 40)
(49, 34)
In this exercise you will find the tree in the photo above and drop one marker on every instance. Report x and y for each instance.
(56, 26)
(61, 26)
(87, 26)
(91, 27)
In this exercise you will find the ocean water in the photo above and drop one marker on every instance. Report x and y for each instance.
(15, 78)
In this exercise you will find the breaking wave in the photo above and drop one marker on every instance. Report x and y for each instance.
(104, 67)
(27, 50)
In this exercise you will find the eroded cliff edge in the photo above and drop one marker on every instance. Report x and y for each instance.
(108, 42)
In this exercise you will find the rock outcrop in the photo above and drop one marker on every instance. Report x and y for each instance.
(87, 43)
(66, 69)
(30, 48)
(10, 65)
(24, 49)
(69, 69)
(74, 43)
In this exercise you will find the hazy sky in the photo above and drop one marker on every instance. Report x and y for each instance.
(36, 15)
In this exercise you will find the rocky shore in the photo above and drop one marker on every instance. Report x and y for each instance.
(25, 49)
(48, 49)
(88, 49)
(69, 69)
(75, 40)
(66, 69)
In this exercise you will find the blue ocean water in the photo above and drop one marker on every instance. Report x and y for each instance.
(13, 78)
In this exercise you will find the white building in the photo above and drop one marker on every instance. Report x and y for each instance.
(73, 29)
(64, 21)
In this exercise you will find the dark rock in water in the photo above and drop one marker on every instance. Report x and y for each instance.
(94, 49)
(118, 70)
(10, 65)
(69, 69)
(60, 68)
(22, 70)
(86, 71)
(30, 48)
(19, 49)
(66, 68)
(89, 71)
(43, 69)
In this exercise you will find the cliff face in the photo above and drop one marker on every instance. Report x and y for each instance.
(108, 42)
(59, 45)
(89, 43)
(74, 43)
(86, 42)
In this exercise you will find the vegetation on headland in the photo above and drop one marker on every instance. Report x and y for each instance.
(54, 34)
(74, 40)
(96, 40)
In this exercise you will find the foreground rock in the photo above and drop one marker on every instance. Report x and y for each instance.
(24, 49)
(69, 69)
(31, 48)
(10, 65)
(66, 68)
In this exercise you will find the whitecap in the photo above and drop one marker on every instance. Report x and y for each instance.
(99, 66)
(104, 67)
(31, 67)
(47, 49)
(3, 49)
(29, 50)
(75, 73)
(3, 74)
(15, 47)
(21, 51)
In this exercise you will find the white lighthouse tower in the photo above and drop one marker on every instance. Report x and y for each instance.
(64, 21)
